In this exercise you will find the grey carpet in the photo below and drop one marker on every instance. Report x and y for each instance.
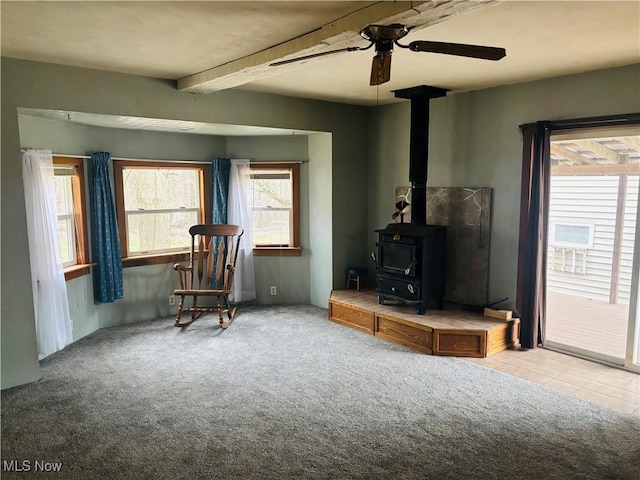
(284, 393)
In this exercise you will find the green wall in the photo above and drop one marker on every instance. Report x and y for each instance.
(290, 275)
(475, 142)
(321, 226)
(350, 172)
(46, 86)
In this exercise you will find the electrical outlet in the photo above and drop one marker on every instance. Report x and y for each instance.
(172, 299)
(274, 291)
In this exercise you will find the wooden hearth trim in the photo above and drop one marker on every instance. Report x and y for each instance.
(426, 333)
(351, 316)
(405, 333)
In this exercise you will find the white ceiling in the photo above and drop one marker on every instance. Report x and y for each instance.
(176, 40)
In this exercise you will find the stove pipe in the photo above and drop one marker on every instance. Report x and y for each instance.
(419, 146)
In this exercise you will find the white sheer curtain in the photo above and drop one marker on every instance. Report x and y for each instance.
(239, 213)
(53, 322)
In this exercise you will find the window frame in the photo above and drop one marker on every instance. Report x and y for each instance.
(205, 208)
(83, 264)
(67, 218)
(567, 244)
(295, 249)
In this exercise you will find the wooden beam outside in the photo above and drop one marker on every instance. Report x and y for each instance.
(632, 142)
(575, 158)
(341, 33)
(599, 149)
(617, 169)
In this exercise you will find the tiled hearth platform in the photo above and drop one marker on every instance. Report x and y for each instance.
(449, 331)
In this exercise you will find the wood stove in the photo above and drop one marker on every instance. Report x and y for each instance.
(411, 256)
(411, 265)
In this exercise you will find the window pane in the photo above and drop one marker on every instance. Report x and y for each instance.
(66, 240)
(578, 234)
(157, 232)
(64, 197)
(271, 227)
(64, 210)
(272, 192)
(160, 188)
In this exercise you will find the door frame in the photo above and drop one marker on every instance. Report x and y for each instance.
(537, 295)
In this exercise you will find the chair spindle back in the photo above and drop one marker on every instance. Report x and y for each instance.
(214, 252)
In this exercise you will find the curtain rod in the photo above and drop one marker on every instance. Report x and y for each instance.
(602, 121)
(135, 159)
(206, 162)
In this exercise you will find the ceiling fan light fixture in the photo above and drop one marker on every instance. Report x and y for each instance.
(380, 69)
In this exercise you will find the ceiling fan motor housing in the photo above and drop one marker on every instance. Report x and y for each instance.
(383, 37)
(384, 33)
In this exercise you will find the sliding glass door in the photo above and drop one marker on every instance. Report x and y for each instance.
(593, 238)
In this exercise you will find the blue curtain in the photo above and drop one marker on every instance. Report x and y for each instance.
(220, 171)
(107, 277)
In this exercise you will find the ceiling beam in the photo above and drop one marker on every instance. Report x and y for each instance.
(341, 33)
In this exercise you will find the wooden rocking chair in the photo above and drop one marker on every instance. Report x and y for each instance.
(212, 263)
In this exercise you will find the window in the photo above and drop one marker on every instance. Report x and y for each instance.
(567, 259)
(275, 208)
(157, 202)
(70, 208)
(63, 178)
(571, 235)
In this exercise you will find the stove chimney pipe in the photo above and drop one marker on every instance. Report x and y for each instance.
(419, 146)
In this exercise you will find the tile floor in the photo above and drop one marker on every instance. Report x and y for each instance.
(592, 381)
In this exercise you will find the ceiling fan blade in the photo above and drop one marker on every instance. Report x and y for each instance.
(380, 69)
(460, 49)
(321, 54)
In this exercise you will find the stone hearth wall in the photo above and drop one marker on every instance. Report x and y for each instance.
(467, 213)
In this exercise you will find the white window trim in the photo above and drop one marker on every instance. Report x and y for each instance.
(560, 243)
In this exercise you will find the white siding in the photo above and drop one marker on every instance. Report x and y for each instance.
(592, 200)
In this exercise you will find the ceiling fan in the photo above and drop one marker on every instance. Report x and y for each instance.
(384, 37)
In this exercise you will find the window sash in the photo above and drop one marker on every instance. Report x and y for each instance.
(175, 199)
(68, 224)
(288, 232)
(150, 214)
(272, 209)
(270, 176)
(136, 252)
(161, 210)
